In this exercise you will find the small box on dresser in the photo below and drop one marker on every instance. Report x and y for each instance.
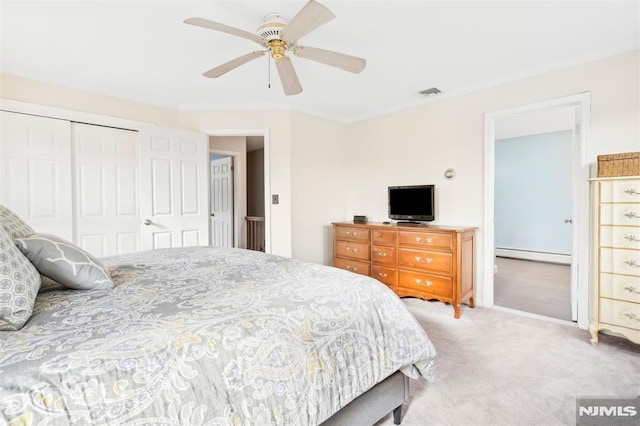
(615, 284)
(430, 262)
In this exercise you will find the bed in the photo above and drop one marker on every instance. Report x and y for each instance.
(213, 336)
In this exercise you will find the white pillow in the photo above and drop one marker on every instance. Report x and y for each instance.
(65, 262)
(19, 284)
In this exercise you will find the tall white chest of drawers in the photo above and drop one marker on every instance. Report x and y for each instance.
(615, 287)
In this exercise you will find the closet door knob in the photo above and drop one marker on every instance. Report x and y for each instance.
(147, 222)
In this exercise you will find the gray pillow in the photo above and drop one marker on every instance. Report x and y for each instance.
(19, 284)
(14, 226)
(65, 262)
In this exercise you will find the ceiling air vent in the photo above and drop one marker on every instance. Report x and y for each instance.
(429, 92)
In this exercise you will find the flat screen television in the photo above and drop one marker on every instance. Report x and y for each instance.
(412, 203)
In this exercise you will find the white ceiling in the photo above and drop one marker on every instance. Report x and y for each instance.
(141, 50)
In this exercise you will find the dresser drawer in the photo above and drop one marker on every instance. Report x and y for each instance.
(620, 191)
(426, 239)
(621, 287)
(438, 286)
(383, 255)
(352, 265)
(352, 233)
(623, 314)
(352, 250)
(620, 261)
(384, 274)
(620, 214)
(384, 236)
(620, 236)
(433, 261)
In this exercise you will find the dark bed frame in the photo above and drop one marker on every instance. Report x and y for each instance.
(377, 402)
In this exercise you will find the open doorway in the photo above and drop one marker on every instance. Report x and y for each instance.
(533, 207)
(579, 218)
(246, 190)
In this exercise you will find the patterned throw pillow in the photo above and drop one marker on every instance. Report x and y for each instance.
(19, 284)
(14, 226)
(65, 262)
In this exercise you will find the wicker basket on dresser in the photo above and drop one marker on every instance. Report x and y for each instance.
(429, 262)
(615, 287)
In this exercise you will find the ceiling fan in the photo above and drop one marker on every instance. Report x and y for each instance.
(278, 36)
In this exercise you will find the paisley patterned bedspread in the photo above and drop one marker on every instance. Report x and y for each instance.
(209, 336)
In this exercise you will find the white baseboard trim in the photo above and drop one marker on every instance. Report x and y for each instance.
(563, 259)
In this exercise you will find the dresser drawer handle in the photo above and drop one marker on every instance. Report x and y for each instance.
(382, 274)
(426, 283)
(632, 191)
(352, 234)
(424, 240)
(631, 238)
(352, 250)
(631, 289)
(382, 254)
(632, 263)
(631, 315)
(631, 215)
(419, 259)
(352, 268)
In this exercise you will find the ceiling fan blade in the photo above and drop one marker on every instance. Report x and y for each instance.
(234, 63)
(205, 23)
(288, 77)
(311, 16)
(334, 59)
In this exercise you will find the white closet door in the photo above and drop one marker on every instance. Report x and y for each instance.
(174, 188)
(35, 172)
(106, 188)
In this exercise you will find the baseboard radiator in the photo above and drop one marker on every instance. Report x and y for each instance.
(537, 256)
(255, 233)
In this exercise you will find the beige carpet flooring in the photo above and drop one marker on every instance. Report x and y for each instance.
(535, 287)
(499, 368)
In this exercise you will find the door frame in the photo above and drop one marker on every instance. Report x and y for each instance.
(580, 260)
(267, 173)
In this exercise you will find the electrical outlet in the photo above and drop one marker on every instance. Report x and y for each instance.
(275, 199)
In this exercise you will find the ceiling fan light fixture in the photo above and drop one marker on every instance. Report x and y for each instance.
(278, 47)
(272, 25)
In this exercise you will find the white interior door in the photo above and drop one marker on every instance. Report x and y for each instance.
(222, 202)
(173, 188)
(106, 187)
(35, 173)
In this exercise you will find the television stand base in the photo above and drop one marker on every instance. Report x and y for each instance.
(412, 223)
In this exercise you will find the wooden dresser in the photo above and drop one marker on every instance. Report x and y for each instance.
(430, 262)
(615, 283)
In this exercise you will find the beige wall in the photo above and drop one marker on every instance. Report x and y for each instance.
(36, 92)
(417, 145)
(320, 185)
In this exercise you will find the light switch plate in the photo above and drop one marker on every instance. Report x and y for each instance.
(275, 199)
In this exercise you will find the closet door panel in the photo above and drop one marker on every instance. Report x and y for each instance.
(106, 185)
(174, 192)
(35, 179)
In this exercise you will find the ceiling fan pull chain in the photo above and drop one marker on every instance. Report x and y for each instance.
(269, 71)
